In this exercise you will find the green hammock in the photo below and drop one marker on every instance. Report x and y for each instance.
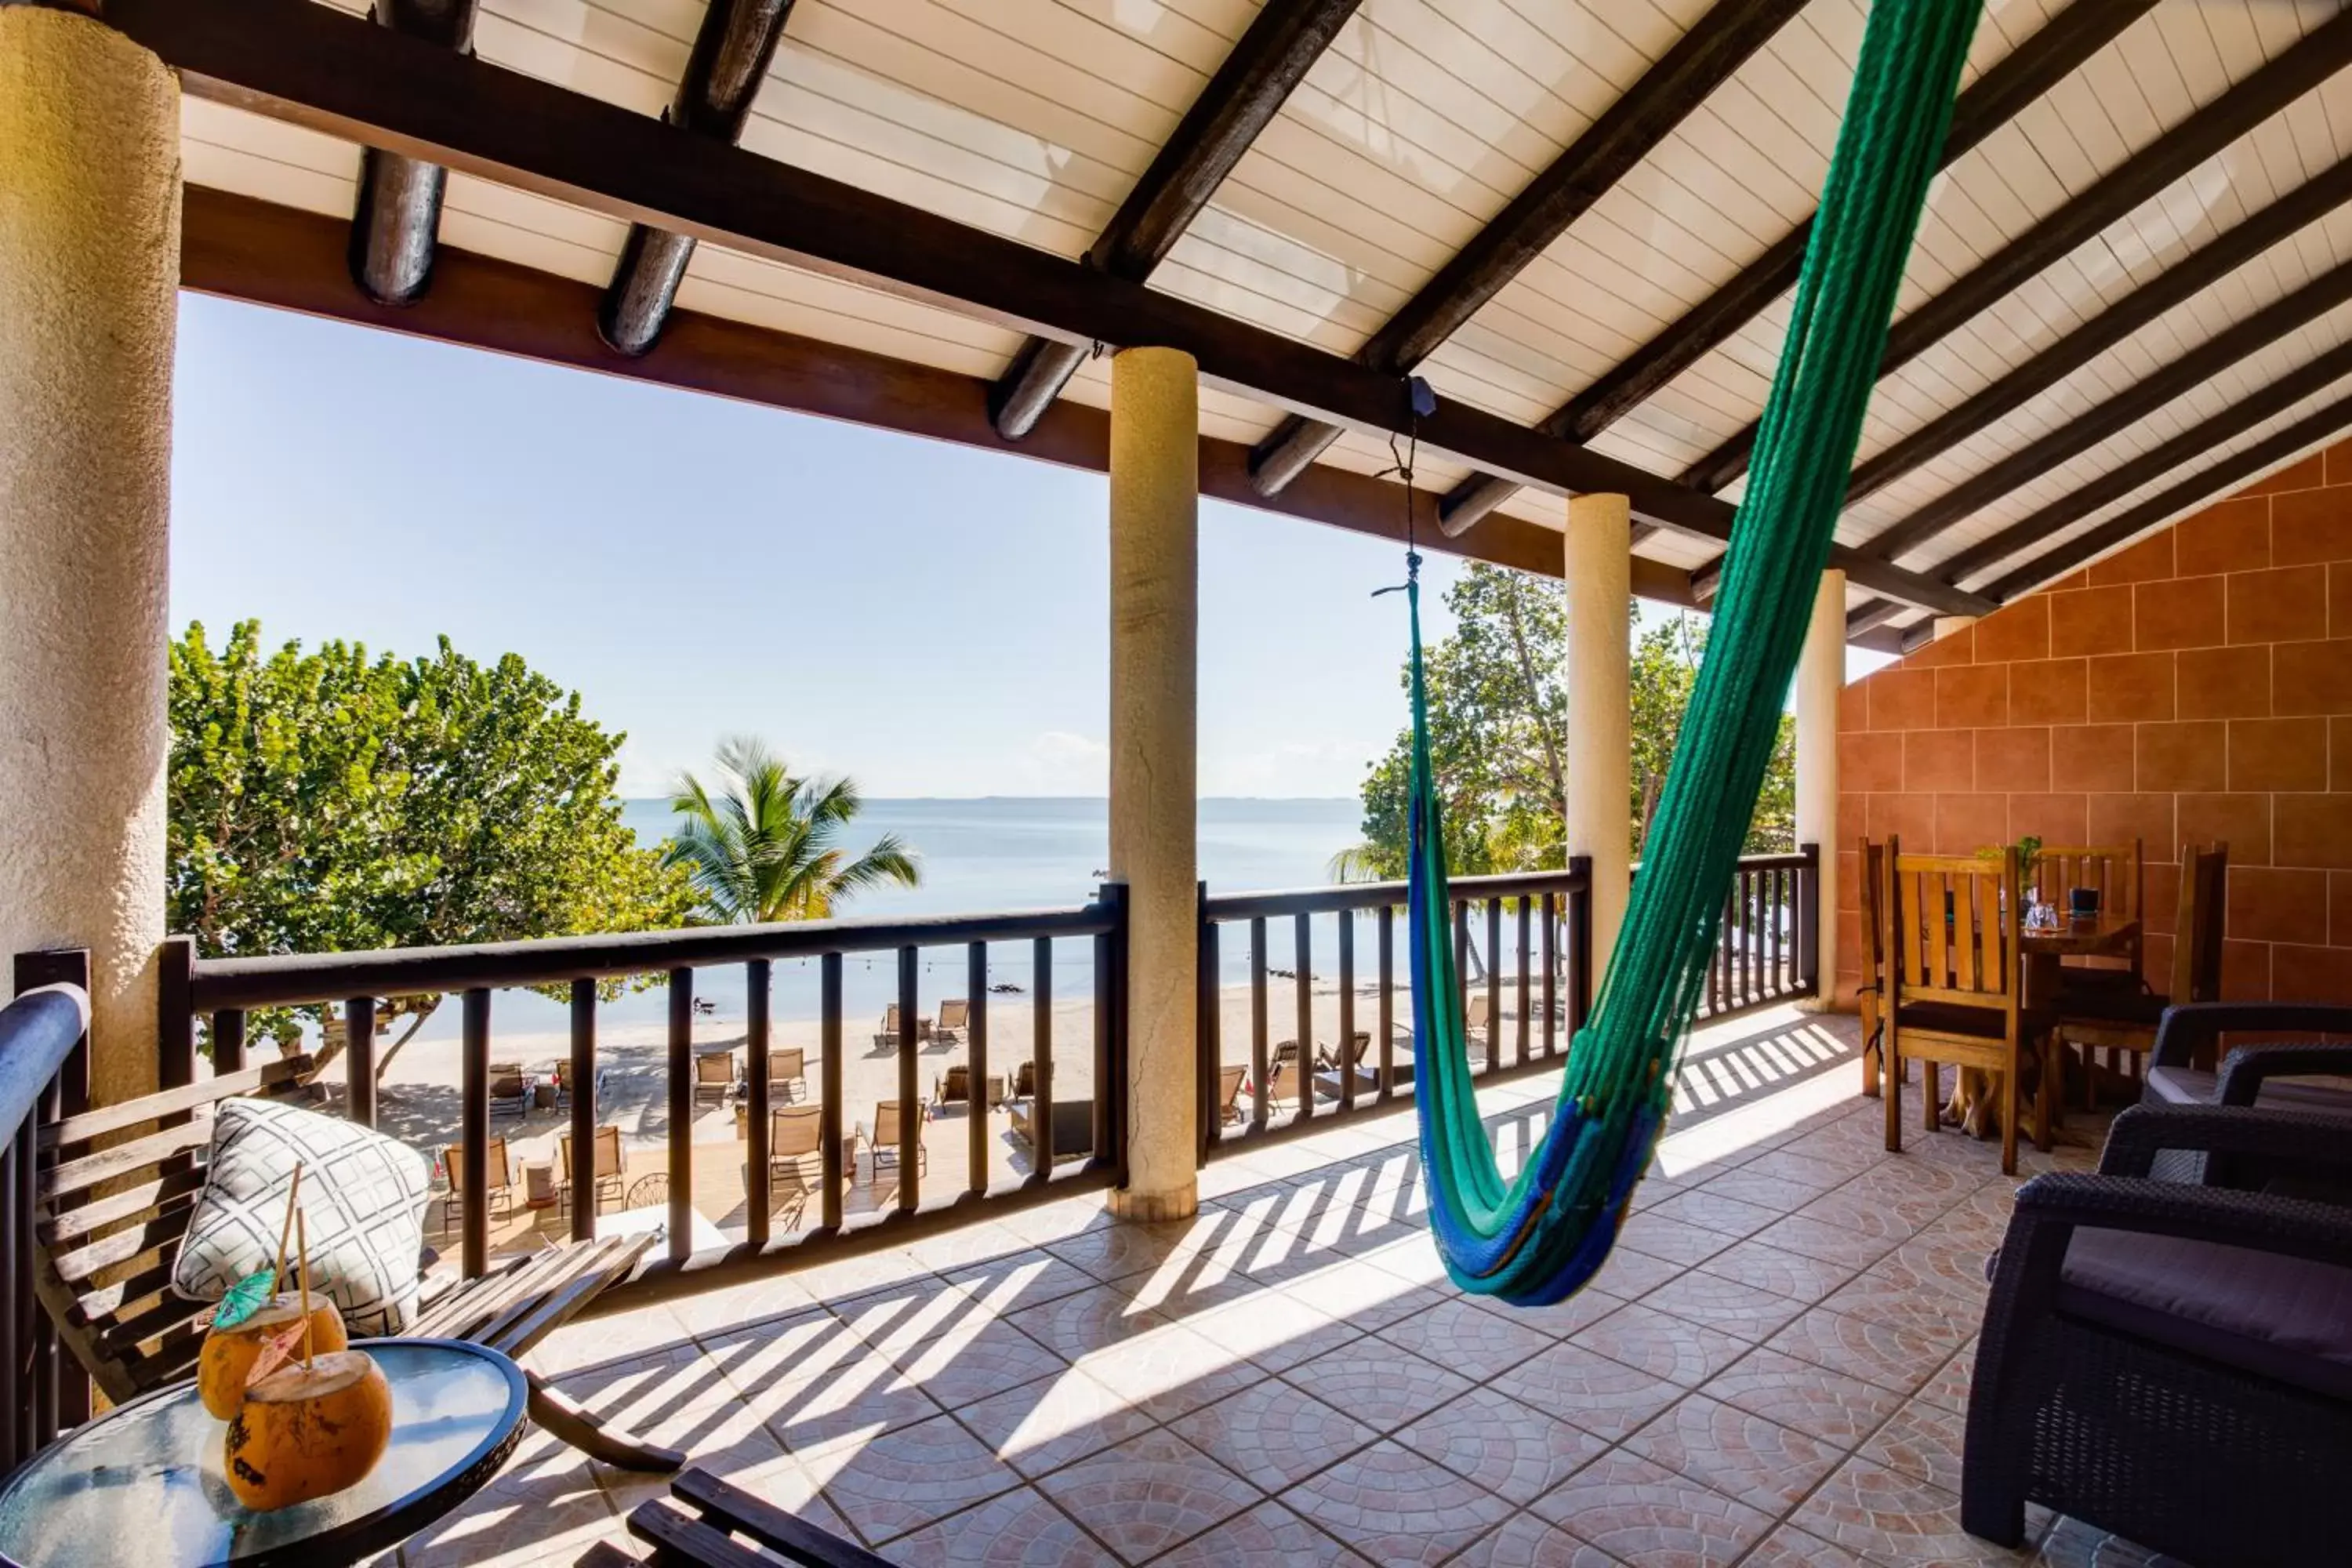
(1538, 1239)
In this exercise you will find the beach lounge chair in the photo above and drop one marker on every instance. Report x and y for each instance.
(1229, 1094)
(610, 1172)
(882, 1147)
(955, 1018)
(887, 1037)
(498, 1172)
(1477, 1020)
(953, 1087)
(787, 1076)
(714, 1077)
(1024, 1079)
(509, 1090)
(1074, 1127)
(1282, 1084)
(133, 1341)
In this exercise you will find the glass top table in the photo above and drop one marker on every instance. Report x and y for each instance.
(143, 1485)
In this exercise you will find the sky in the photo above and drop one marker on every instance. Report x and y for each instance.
(930, 619)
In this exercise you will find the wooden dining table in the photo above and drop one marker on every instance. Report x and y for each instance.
(2042, 973)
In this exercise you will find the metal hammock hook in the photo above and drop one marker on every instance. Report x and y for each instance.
(1420, 403)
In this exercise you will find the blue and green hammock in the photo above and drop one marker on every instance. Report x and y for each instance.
(1536, 1239)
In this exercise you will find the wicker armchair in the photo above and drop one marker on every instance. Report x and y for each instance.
(2190, 1034)
(2168, 1361)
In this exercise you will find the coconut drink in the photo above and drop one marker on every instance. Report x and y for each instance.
(225, 1364)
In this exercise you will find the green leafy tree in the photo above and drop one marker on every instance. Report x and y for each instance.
(768, 846)
(331, 801)
(1498, 736)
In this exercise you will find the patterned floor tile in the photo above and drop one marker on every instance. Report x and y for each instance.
(1022, 1282)
(1789, 1547)
(1782, 1272)
(1663, 1346)
(1115, 1252)
(1672, 1241)
(1608, 1398)
(1086, 1320)
(1828, 1243)
(1893, 1358)
(1938, 1267)
(1782, 1195)
(1828, 1405)
(1044, 1426)
(2071, 1543)
(1641, 1513)
(1273, 1434)
(1149, 1494)
(1726, 1305)
(1716, 1211)
(1923, 1441)
(1949, 1387)
(1895, 1520)
(1630, 1273)
(1742, 1456)
(1169, 1372)
(1527, 1541)
(1396, 1508)
(1019, 1530)
(1565, 1320)
(1377, 1382)
(1458, 1332)
(1512, 1449)
(1364, 1293)
(967, 1353)
(1945, 1320)
(903, 1478)
(1267, 1536)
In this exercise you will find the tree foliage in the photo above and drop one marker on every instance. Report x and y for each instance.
(766, 845)
(1500, 744)
(333, 800)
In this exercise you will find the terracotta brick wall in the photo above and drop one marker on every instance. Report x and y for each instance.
(2197, 686)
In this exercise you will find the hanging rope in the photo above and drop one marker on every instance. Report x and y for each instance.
(1536, 1239)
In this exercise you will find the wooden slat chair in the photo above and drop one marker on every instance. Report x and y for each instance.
(1953, 979)
(707, 1523)
(2119, 873)
(1870, 996)
(2123, 1019)
(107, 1231)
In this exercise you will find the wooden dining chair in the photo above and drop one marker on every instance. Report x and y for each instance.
(1869, 994)
(1954, 979)
(2119, 873)
(2121, 1021)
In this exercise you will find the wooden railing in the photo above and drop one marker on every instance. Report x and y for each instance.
(44, 1074)
(224, 991)
(1322, 1072)
(1767, 947)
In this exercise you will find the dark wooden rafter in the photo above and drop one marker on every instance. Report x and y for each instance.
(1282, 44)
(2175, 153)
(2304, 381)
(2206, 485)
(732, 52)
(1869, 616)
(2119, 412)
(398, 220)
(2175, 285)
(243, 248)
(1990, 103)
(305, 63)
(1682, 78)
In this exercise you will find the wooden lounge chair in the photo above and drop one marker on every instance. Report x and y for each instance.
(509, 1090)
(882, 1147)
(108, 1228)
(706, 1537)
(610, 1173)
(955, 1018)
(787, 1076)
(714, 1077)
(498, 1172)
(1229, 1094)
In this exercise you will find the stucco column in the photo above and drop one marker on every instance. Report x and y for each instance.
(1155, 424)
(1600, 582)
(1820, 674)
(89, 255)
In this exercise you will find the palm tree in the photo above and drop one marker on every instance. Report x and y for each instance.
(768, 847)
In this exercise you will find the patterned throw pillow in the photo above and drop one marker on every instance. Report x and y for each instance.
(364, 1197)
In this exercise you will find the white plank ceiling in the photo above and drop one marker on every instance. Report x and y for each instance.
(1031, 119)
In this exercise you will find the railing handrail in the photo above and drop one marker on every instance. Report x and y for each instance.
(287, 979)
(37, 1031)
(1340, 896)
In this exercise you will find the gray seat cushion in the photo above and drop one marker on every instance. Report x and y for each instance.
(2277, 1316)
(2187, 1086)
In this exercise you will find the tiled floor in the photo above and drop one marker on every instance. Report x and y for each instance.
(1770, 1372)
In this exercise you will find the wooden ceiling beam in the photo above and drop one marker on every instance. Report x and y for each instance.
(2206, 485)
(2268, 403)
(240, 248)
(1281, 46)
(1680, 79)
(1990, 103)
(308, 64)
(732, 50)
(2105, 420)
(2172, 156)
(397, 221)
